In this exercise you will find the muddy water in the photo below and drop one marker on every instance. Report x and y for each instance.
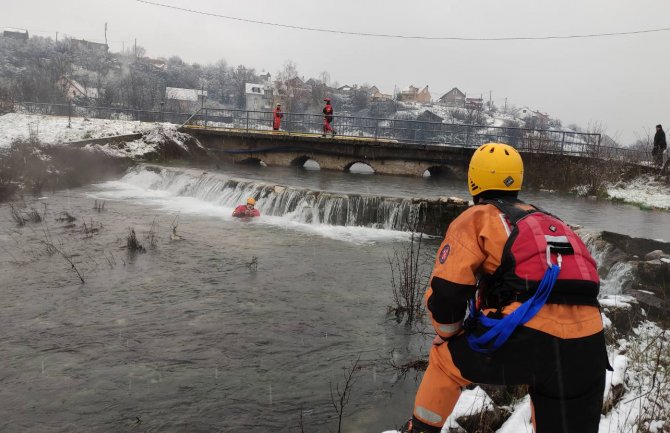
(190, 336)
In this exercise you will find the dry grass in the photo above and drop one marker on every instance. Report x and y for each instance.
(133, 245)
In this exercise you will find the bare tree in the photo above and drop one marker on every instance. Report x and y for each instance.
(344, 393)
(408, 278)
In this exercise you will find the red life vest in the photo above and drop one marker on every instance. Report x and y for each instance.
(536, 239)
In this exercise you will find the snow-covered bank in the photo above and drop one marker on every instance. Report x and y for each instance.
(54, 129)
(34, 150)
(644, 191)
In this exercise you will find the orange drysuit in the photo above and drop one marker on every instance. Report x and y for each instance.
(560, 353)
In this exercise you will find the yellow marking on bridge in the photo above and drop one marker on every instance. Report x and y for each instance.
(292, 134)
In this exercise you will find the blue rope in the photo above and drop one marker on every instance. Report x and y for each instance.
(501, 329)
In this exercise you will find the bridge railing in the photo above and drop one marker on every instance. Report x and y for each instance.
(406, 131)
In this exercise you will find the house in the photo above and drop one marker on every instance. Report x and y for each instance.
(538, 118)
(524, 112)
(424, 96)
(345, 88)
(88, 45)
(18, 34)
(184, 100)
(542, 118)
(258, 97)
(296, 88)
(159, 63)
(378, 96)
(74, 90)
(453, 98)
(413, 94)
(429, 116)
(266, 77)
(474, 103)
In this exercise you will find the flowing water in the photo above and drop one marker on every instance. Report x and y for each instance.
(233, 326)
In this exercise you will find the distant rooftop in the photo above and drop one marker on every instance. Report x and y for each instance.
(13, 30)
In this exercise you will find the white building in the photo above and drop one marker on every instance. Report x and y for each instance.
(258, 97)
(184, 100)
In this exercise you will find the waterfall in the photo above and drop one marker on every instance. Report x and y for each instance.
(615, 272)
(296, 204)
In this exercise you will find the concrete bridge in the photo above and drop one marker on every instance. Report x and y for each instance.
(338, 153)
(559, 171)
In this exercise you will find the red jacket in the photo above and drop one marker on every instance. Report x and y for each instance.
(277, 115)
(241, 211)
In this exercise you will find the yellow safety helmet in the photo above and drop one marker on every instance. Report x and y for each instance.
(495, 166)
(251, 201)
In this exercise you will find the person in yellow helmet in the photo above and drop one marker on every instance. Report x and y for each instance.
(513, 301)
(247, 210)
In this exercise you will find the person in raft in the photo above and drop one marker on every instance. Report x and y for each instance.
(247, 210)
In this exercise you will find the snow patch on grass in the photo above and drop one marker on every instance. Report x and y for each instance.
(643, 191)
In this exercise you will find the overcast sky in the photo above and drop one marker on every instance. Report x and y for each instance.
(621, 81)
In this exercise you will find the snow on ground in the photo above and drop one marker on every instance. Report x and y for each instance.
(644, 191)
(150, 142)
(641, 365)
(639, 387)
(54, 130)
(471, 401)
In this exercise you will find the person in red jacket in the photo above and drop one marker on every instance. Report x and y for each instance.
(276, 117)
(247, 210)
(328, 118)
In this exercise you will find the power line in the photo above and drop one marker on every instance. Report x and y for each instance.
(399, 36)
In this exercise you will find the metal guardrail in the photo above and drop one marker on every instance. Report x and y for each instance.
(406, 131)
(416, 132)
(100, 112)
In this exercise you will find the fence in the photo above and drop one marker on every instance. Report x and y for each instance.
(101, 112)
(409, 132)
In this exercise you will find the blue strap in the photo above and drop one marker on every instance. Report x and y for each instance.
(501, 329)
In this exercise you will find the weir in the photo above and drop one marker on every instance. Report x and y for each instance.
(428, 215)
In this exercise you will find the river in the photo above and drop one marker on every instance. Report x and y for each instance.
(237, 326)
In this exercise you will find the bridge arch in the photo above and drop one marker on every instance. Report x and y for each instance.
(251, 161)
(362, 167)
(441, 171)
(307, 162)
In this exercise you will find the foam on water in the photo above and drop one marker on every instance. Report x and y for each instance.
(217, 196)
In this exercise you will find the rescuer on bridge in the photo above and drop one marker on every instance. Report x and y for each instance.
(328, 118)
(529, 287)
(247, 210)
(276, 118)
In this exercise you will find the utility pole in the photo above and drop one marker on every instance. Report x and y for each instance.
(490, 102)
(135, 47)
(105, 33)
(505, 105)
(56, 36)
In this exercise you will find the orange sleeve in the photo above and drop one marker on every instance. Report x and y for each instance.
(473, 245)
